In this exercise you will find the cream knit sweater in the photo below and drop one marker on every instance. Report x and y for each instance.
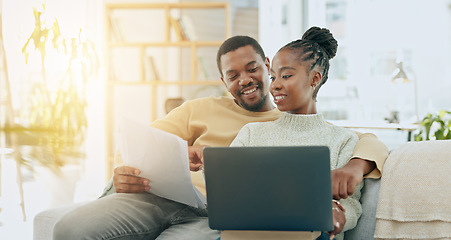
(309, 130)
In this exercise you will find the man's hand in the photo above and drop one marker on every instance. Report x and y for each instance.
(196, 157)
(126, 180)
(346, 178)
(339, 219)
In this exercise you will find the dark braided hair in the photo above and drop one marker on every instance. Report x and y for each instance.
(318, 46)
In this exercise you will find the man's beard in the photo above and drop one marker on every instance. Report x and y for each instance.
(257, 106)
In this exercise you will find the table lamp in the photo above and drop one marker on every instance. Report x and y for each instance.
(399, 76)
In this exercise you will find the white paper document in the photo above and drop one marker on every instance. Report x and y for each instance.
(162, 158)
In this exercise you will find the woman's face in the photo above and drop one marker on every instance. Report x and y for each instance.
(292, 84)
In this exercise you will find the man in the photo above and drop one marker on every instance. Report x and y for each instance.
(203, 122)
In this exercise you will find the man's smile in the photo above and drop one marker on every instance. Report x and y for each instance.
(248, 90)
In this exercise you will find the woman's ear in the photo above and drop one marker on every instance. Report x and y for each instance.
(316, 78)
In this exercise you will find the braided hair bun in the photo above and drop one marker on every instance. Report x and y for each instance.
(324, 38)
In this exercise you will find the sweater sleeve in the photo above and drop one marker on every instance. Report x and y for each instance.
(352, 203)
(242, 138)
(371, 149)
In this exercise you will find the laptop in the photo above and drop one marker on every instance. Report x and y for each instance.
(269, 188)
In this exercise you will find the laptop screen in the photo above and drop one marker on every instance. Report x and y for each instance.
(269, 188)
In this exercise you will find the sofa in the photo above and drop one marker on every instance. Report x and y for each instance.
(367, 225)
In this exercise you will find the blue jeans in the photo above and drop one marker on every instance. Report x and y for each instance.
(134, 216)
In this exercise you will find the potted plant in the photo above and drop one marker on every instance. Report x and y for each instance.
(435, 127)
(55, 116)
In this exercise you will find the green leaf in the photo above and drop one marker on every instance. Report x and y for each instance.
(439, 134)
(419, 136)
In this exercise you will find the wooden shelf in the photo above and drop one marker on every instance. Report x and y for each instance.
(110, 6)
(166, 44)
(162, 82)
(159, 64)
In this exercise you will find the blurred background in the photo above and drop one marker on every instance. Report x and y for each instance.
(70, 69)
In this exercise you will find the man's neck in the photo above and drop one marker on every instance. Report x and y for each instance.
(268, 106)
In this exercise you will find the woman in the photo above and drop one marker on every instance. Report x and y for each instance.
(298, 71)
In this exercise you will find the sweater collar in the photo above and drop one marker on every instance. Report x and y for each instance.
(302, 121)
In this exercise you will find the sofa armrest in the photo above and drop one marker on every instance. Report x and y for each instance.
(367, 222)
(44, 222)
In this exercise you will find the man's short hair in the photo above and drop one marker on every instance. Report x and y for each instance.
(234, 43)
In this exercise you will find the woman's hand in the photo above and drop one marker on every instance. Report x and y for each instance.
(339, 218)
(127, 180)
(196, 158)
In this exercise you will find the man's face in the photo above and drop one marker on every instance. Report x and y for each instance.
(245, 75)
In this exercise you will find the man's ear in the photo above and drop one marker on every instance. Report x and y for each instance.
(225, 84)
(267, 63)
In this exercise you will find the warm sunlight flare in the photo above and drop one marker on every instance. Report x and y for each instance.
(70, 69)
